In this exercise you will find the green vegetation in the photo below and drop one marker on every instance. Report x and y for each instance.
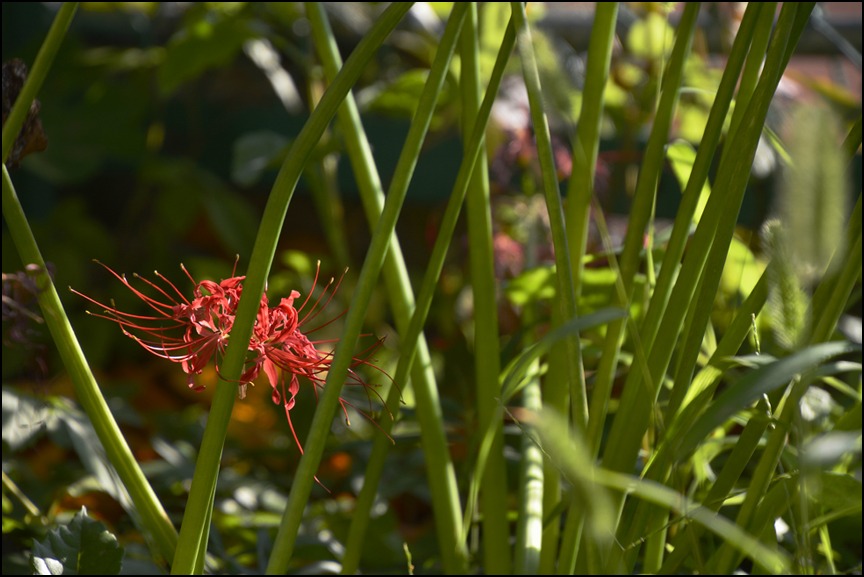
(630, 353)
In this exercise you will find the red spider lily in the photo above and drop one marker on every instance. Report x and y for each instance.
(193, 332)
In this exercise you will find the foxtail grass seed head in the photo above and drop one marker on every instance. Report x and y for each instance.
(815, 191)
(787, 302)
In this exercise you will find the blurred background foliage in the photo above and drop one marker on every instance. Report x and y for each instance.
(166, 123)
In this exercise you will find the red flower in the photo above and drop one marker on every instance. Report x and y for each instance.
(193, 332)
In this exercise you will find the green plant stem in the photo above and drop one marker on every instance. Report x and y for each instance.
(750, 130)
(648, 519)
(442, 479)
(646, 187)
(707, 148)
(150, 512)
(731, 185)
(428, 409)
(194, 532)
(428, 286)
(529, 527)
(36, 76)
(710, 246)
(580, 189)
(623, 431)
(565, 292)
(758, 39)
(528, 554)
(627, 427)
(578, 469)
(727, 556)
(731, 177)
(153, 517)
(739, 458)
(580, 192)
(329, 397)
(839, 289)
(768, 559)
(493, 482)
(698, 176)
(570, 354)
(11, 489)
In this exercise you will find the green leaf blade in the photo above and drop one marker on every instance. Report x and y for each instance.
(84, 547)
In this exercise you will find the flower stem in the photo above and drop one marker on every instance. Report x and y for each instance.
(151, 514)
(36, 76)
(147, 505)
(441, 475)
(328, 399)
(194, 532)
(493, 481)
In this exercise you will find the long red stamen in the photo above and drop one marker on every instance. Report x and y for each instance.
(192, 331)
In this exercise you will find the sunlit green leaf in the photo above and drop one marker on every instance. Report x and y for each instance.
(681, 156)
(651, 37)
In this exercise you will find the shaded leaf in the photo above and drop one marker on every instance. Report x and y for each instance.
(233, 218)
(201, 46)
(839, 495)
(84, 547)
(74, 427)
(255, 153)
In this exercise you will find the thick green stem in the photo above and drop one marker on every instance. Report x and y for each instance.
(648, 519)
(569, 352)
(643, 200)
(493, 482)
(579, 193)
(38, 72)
(194, 532)
(709, 246)
(580, 188)
(625, 431)
(329, 397)
(682, 227)
(148, 508)
(529, 527)
(565, 293)
(442, 478)
(153, 517)
(729, 192)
